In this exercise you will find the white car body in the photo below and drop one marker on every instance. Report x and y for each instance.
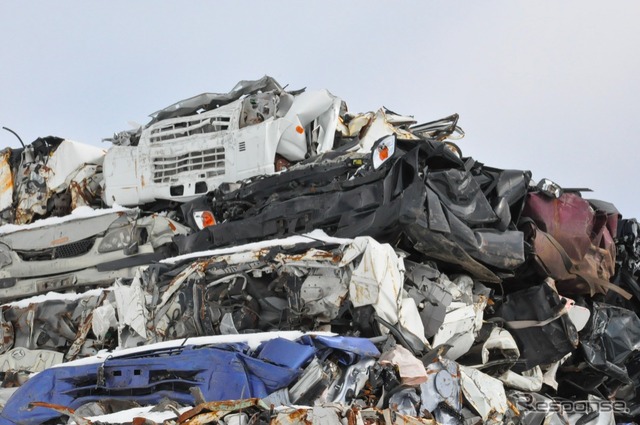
(89, 248)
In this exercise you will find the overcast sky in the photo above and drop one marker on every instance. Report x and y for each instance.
(549, 86)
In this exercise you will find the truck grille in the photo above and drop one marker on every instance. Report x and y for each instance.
(189, 127)
(211, 162)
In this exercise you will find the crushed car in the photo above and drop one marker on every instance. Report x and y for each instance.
(192, 146)
(358, 269)
(258, 128)
(83, 249)
(418, 193)
(49, 177)
(181, 371)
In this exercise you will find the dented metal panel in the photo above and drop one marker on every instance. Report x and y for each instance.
(44, 174)
(87, 248)
(484, 393)
(214, 411)
(23, 359)
(433, 256)
(150, 375)
(387, 203)
(182, 154)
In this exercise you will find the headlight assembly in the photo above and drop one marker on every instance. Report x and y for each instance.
(116, 239)
(5, 255)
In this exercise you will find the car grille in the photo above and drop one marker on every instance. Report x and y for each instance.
(69, 250)
(211, 162)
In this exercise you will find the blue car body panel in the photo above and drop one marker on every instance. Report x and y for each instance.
(221, 372)
(220, 375)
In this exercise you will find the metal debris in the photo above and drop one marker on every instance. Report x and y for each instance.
(287, 261)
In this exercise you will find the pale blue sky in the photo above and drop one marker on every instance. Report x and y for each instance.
(548, 86)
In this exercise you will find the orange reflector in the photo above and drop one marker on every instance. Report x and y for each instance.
(383, 153)
(208, 219)
(62, 240)
(299, 129)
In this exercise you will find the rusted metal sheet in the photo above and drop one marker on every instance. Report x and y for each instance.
(53, 177)
(67, 411)
(143, 421)
(6, 181)
(83, 330)
(410, 203)
(85, 187)
(294, 417)
(212, 411)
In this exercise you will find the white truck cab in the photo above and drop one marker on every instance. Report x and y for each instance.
(181, 157)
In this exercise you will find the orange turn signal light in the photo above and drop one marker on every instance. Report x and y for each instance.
(208, 219)
(383, 153)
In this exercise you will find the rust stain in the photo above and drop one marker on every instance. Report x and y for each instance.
(172, 226)
(315, 256)
(296, 257)
(81, 337)
(11, 380)
(6, 182)
(352, 416)
(281, 163)
(56, 407)
(205, 418)
(180, 277)
(76, 192)
(142, 182)
(513, 407)
(83, 331)
(22, 216)
(189, 414)
(206, 263)
(143, 421)
(7, 332)
(202, 266)
(6, 178)
(216, 409)
(299, 417)
(259, 254)
(62, 409)
(81, 191)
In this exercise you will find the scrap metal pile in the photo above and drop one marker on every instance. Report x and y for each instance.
(266, 256)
